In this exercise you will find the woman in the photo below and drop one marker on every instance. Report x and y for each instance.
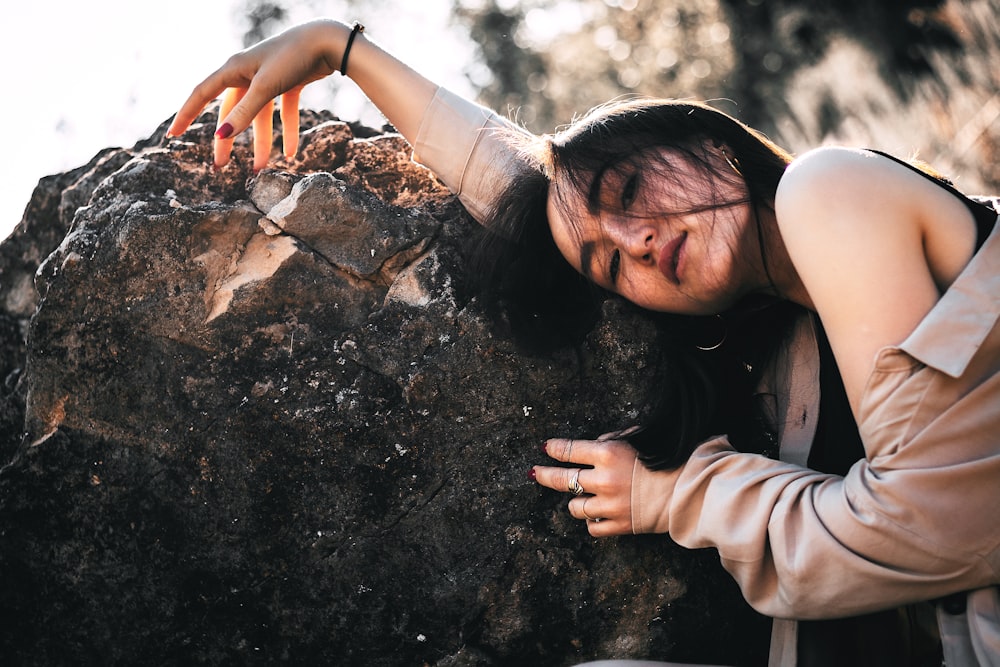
(900, 269)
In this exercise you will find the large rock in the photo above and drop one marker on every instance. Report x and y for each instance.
(255, 419)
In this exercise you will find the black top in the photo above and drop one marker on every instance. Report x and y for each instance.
(985, 215)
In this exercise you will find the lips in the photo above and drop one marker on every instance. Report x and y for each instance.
(670, 258)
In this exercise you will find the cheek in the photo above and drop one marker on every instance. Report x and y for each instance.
(567, 236)
(722, 236)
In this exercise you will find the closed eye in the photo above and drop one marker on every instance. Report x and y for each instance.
(629, 190)
(614, 267)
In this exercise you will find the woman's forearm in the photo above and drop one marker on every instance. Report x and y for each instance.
(802, 544)
(461, 141)
(401, 93)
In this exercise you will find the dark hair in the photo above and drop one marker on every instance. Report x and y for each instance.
(522, 275)
(699, 393)
(613, 134)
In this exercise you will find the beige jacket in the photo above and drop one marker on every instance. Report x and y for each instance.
(917, 519)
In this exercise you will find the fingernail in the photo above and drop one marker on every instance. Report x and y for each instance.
(531, 474)
(225, 131)
(545, 446)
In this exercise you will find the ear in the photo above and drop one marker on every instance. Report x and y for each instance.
(728, 155)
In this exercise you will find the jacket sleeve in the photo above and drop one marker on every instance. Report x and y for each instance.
(803, 544)
(463, 143)
(917, 519)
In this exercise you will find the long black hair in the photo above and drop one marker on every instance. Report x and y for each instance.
(704, 388)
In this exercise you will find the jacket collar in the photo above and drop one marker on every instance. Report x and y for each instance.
(949, 336)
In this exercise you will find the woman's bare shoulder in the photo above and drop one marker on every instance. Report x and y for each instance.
(836, 157)
(833, 202)
(852, 225)
(834, 174)
(861, 195)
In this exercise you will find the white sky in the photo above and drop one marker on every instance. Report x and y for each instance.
(81, 76)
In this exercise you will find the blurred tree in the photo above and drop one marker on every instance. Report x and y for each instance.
(554, 60)
(263, 18)
(574, 54)
(514, 74)
(903, 75)
(775, 40)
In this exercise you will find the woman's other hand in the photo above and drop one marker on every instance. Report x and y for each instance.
(279, 66)
(605, 475)
(616, 493)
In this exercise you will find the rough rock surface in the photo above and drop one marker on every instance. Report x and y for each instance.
(250, 420)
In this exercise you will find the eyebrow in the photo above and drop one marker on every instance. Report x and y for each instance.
(587, 259)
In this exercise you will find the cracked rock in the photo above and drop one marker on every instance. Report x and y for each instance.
(305, 442)
(350, 227)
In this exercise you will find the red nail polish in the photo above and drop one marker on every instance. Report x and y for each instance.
(545, 446)
(531, 474)
(225, 131)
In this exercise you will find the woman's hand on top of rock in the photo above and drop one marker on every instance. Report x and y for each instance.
(250, 81)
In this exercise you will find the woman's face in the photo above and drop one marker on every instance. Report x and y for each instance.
(667, 236)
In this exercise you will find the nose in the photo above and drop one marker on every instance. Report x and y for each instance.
(636, 238)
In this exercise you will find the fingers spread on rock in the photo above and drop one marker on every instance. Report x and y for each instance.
(290, 123)
(608, 528)
(570, 450)
(263, 136)
(224, 133)
(556, 478)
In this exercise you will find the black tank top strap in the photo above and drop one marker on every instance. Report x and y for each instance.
(983, 214)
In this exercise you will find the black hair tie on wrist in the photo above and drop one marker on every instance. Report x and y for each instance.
(355, 29)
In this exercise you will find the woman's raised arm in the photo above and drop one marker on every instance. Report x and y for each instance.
(450, 135)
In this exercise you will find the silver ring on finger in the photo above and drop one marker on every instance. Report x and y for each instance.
(574, 484)
(569, 451)
(583, 510)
